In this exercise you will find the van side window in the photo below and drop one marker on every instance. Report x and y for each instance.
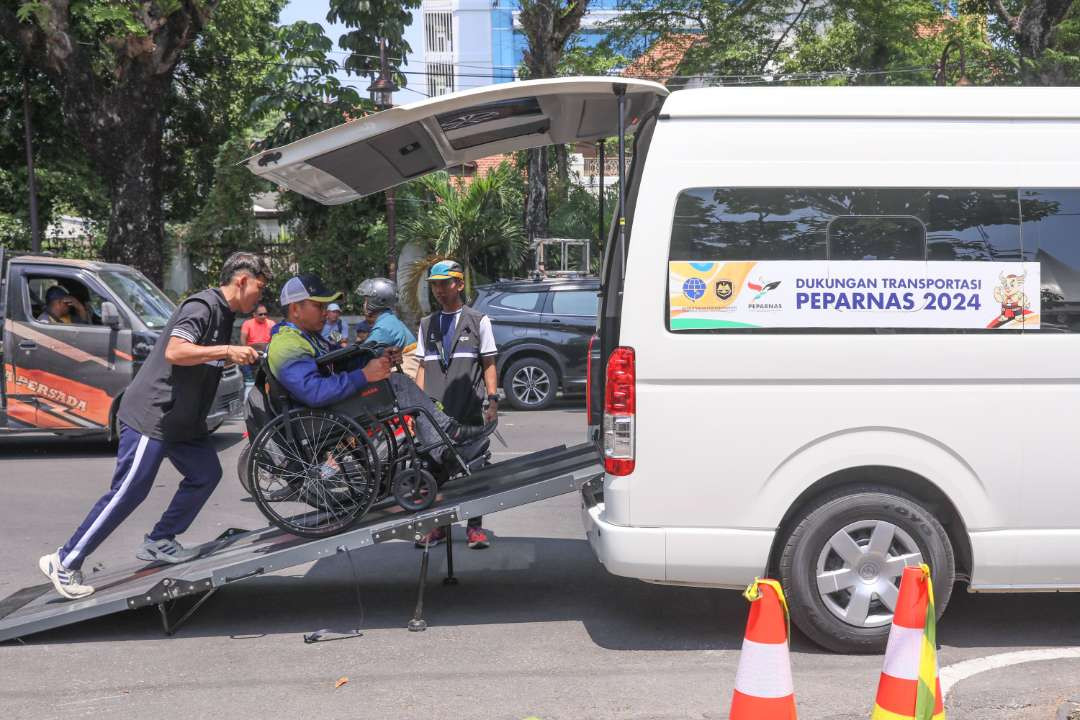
(1051, 227)
(714, 224)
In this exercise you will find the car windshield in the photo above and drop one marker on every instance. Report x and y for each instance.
(152, 306)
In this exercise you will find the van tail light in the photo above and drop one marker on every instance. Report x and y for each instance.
(588, 380)
(619, 409)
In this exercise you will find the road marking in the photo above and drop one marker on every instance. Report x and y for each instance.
(956, 672)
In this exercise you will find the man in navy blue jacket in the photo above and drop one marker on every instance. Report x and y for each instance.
(297, 343)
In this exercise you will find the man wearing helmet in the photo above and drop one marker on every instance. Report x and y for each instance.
(380, 296)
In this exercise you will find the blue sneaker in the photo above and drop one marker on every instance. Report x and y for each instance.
(169, 551)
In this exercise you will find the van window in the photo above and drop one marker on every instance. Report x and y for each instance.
(1051, 227)
(846, 223)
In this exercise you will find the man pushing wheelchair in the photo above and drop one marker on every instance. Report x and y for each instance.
(342, 431)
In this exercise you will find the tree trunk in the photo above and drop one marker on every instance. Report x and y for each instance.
(136, 222)
(562, 171)
(1033, 29)
(536, 204)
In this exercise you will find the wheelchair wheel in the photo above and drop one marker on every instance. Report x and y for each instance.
(414, 489)
(314, 473)
(242, 468)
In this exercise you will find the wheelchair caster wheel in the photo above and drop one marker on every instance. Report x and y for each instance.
(414, 489)
(417, 625)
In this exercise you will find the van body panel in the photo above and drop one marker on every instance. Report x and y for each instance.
(743, 423)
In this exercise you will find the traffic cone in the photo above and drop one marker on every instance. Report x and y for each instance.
(909, 688)
(763, 687)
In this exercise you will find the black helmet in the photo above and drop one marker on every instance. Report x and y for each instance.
(378, 294)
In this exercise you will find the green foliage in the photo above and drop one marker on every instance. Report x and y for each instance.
(304, 91)
(370, 20)
(466, 222)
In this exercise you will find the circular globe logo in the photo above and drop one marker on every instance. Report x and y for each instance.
(694, 288)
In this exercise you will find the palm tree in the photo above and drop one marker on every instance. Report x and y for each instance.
(464, 221)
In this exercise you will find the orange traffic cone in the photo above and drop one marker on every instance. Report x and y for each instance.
(763, 687)
(909, 686)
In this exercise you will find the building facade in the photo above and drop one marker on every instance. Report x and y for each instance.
(461, 44)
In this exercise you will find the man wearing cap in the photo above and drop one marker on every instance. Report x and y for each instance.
(296, 344)
(63, 308)
(334, 329)
(162, 415)
(456, 349)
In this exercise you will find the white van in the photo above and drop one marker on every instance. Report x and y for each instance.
(843, 339)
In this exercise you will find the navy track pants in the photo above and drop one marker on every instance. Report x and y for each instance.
(137, 461)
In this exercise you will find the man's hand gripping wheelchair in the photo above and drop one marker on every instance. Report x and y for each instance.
(315, 472)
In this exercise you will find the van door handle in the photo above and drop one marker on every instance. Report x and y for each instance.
(556, 322)
(27, 345)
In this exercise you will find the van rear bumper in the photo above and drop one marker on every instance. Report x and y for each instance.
(706, 557)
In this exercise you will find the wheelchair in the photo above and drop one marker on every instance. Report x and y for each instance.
(316, 472)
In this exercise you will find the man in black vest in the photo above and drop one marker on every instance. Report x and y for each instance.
(456, 349)
(163, 415)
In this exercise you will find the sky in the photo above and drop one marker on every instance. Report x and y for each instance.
(315, 11)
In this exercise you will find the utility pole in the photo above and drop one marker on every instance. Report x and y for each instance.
(382, 94)
(31, 179)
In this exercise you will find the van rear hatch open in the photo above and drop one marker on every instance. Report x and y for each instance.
(388, 148)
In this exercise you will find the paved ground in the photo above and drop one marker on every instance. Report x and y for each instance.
(536, 628)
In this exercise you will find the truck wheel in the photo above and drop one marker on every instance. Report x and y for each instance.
(530, 383)
(841, 565)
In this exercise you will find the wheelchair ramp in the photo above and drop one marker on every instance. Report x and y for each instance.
(239, 555)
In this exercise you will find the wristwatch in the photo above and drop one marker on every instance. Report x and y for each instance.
(493, 398)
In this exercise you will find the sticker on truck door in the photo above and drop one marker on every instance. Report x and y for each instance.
(853, 294)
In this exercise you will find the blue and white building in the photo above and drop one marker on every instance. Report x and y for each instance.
(460, 44)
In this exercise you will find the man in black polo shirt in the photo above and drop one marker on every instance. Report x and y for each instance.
(163, 415)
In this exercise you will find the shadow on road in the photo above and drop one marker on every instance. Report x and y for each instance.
(529, 580)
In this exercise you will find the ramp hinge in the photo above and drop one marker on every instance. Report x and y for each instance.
(169, 589)
(416, 527)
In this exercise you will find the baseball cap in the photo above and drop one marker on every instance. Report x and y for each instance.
(55, 293)
(306, 287)
(446, 270)
(333, 306)
(363, 326)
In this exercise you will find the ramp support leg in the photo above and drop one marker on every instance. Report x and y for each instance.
(170, 627)
(418, 624)
(449, 579)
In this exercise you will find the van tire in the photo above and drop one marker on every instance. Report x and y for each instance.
(861, 511)
(530, 383)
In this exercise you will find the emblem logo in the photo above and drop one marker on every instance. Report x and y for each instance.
(724, 289)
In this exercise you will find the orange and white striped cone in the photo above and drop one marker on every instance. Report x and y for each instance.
(909, 687)
(763, 686)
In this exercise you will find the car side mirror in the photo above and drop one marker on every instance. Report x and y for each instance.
(110, 315)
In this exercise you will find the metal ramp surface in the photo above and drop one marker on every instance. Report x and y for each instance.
(239, 555)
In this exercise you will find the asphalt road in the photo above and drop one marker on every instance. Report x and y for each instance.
(536, 628)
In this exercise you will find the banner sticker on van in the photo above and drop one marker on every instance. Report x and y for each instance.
(853, 294)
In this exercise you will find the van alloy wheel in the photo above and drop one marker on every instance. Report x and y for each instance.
(841, 558)
(859, 569)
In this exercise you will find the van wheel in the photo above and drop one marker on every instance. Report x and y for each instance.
(530, 383)
(842, 562)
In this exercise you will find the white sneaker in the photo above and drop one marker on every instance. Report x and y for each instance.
(170, 551)
(68, 583)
